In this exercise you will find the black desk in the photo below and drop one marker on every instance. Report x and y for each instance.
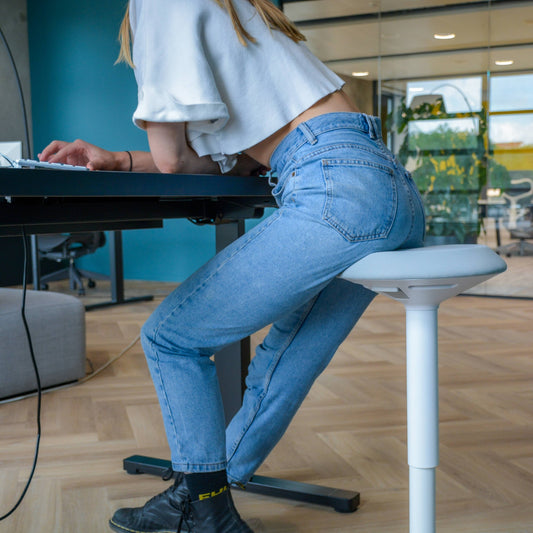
(48, 201)
(55, 201)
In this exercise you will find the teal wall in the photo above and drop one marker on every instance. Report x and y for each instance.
(78, 92)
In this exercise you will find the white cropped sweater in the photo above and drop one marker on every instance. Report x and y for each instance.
(190, 67)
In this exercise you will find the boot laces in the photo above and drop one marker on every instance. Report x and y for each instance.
(185, 509)
(169, 489)
(167, 474)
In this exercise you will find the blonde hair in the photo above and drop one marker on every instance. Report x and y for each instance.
(273, 17)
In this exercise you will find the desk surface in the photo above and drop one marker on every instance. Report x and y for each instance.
(71, 183)
(53, 201)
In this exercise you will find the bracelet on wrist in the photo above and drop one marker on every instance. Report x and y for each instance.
(131, 160)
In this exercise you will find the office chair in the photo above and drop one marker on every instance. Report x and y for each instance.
(69, 247)
(520, 222)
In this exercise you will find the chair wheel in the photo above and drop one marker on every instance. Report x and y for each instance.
(91, 284)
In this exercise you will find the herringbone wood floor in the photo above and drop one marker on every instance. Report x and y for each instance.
(350, 432)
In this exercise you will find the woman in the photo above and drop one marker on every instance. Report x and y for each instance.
(227, 86)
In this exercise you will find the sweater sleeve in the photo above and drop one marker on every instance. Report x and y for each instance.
(174, 79)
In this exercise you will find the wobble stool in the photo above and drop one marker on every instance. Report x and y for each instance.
(422, 278)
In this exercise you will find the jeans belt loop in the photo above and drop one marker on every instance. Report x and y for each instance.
(309, 135)
(377, 127)
(272, 178)
(372, 127)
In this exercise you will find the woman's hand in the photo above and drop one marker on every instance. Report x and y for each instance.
(84, 154)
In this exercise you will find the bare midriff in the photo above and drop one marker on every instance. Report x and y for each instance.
(333, 103)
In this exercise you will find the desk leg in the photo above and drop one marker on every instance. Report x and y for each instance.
(116, 270)
(232, 364)
(35, 263)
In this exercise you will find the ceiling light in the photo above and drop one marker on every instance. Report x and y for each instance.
(444, 36)
(360, 74)
(504, 62)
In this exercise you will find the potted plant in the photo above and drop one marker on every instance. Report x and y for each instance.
(451, 168)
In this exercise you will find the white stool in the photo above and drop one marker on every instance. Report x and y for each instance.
(421, 278)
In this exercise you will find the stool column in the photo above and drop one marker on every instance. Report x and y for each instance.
(422, 415)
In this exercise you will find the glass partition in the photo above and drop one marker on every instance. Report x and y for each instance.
(511, 147)
(453, 84)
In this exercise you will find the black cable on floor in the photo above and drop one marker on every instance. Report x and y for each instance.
(39, 390)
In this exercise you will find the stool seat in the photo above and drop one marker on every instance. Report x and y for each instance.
(449, 269)
(428, 262)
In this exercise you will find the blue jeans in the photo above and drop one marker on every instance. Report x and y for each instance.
(341, 195)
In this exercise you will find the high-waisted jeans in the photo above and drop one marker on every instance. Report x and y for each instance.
(341, 195)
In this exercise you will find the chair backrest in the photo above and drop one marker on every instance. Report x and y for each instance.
(519, 206)
(71, 245)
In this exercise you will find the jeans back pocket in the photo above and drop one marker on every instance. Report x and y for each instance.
(361, 198)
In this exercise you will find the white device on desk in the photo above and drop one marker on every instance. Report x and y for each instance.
(31, 163)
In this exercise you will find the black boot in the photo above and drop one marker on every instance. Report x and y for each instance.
(164, 513)
(217, 514)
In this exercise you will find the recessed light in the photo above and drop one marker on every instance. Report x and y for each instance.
(360, 74)
(503, 62)
(444, 36)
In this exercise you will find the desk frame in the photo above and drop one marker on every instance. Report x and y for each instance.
(55, 201)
